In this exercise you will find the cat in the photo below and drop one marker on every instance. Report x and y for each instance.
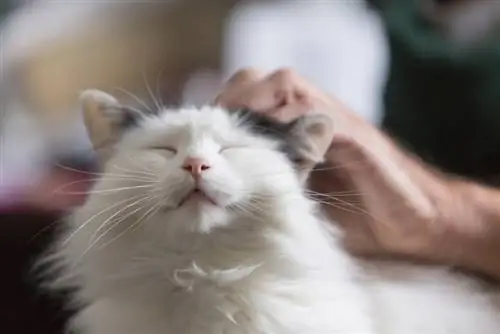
(200, 223)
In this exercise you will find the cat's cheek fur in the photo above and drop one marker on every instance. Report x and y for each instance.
(264, 172)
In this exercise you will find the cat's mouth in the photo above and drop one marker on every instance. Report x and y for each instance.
(197, 195)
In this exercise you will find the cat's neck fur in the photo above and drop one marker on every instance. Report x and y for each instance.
(252, 239)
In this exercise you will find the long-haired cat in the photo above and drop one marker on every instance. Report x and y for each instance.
(200, 224)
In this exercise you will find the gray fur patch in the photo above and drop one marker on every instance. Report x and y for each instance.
(262, 125)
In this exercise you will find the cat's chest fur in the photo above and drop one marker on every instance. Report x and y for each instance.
(246, 278)
(240, 279)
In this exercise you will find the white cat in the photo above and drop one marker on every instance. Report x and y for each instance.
(200, 224)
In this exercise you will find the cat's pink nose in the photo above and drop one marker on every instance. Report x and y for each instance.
(195, 166)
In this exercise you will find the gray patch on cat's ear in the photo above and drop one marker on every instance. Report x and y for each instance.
(304, 141)
(312, 135)
(105, 118)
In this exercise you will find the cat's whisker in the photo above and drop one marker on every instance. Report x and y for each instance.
(96, 238)
(46, 228)
(348, 198)
(338, 166)
(334, 194)
(260, 204)
(344, 202)
(151, 211)
(76, 170)
(266, 197)
(264, 200)
(357, 209)
(88, 221)
(93, 243)
(357, 204)
(141, 172)
(58, 190)
(135, 97)
(340, 207)
(158, 92)
(324, 197)
(106, 178)
(110, 191)
(155, 101)
(142, 168)
(259, 216)
(352, 191)
(317, 168)
(109, 219)
(340, 192)
(242, 208)
(251, 206)
(94, 173)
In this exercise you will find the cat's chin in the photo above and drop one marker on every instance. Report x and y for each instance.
(198, 217)
(192, 200)
(196, 211)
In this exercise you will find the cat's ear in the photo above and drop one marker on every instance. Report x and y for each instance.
(105, 118)
(313, 134)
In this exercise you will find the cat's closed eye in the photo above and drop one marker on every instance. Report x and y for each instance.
(230, 147)
(165, 148)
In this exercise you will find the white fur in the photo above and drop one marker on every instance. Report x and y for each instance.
(261, 262)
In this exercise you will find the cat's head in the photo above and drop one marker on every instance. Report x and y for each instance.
(200, 165)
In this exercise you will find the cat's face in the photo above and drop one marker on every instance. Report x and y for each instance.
(201, 168)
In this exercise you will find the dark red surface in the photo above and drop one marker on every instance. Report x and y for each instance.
(27, 226)
(24, 233)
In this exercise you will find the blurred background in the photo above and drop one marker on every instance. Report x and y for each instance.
(427, 71)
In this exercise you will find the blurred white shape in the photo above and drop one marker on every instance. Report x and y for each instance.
(40, 22)
(339, 45)
(34, 25)
(28, 145)
(24, 150)
(28, 142)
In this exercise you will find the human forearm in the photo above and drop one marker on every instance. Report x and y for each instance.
(476, 228)
(463, 223)
(416, 211)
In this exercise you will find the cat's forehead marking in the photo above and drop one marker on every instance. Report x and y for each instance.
(262, 125)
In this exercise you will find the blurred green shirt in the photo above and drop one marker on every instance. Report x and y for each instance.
(5, 7)
(441, 102)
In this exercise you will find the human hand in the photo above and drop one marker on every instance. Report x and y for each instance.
(385, 201)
